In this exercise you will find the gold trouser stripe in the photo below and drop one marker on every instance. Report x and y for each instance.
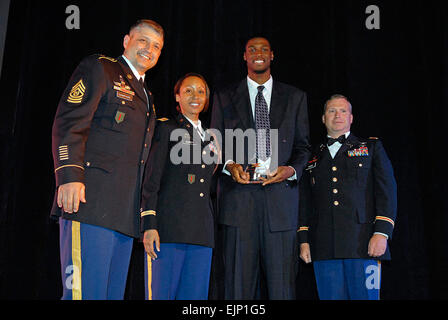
(76, 259)
(149, 272)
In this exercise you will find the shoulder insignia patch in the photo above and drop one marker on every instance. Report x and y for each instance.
(77, 92)
(107, 58)
(163, 119)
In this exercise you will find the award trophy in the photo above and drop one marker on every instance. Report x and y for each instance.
(257, 173)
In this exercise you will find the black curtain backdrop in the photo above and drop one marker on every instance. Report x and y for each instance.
(396, 78)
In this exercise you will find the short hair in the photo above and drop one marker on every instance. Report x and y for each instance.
(254, 37)
(179, 84)
(150, 24)
(337, 96)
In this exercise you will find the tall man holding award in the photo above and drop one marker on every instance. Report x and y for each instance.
(258, 193)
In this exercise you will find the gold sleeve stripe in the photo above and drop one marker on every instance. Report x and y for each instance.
(385, 219)
(148, 213)
(77, 92)
(303, 229)
(69, 165)
(77, 263)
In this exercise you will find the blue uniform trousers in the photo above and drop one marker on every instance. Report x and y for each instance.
(94, 261)
(180, 272)
(348, 279)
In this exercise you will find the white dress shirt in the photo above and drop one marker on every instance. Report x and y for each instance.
(334, 148)
(197, 127)
(134, 71)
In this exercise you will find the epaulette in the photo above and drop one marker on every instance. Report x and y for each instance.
(163, 119)
(373, 138)
(107, 58)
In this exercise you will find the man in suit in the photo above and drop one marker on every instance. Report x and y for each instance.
(259, 220)
(348, 209)
(102, 133)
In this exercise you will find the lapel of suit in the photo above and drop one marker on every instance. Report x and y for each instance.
(133, 82)
(279, 102)
(241, 102)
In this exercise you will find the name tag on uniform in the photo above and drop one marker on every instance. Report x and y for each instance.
(124, 96)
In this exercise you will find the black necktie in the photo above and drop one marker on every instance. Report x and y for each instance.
(142, 83)
(262, 126)
(340, 139)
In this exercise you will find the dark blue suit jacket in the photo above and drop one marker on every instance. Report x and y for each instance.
(288, 114)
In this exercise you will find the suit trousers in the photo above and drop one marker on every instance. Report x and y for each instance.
(258, 263)
(94, 261)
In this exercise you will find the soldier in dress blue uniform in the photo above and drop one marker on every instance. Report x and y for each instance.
(348, 209)
(102, 133)
(176, 217)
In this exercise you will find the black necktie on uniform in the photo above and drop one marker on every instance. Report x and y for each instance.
(262, 126)
(142, 83)
(340, 139)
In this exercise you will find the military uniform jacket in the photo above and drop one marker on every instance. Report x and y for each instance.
(102, 133)
(176, 196)
(346, 199)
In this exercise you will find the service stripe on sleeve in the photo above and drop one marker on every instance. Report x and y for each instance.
(148, 213)
(385, 219)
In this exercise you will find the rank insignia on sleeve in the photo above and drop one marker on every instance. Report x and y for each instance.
(360, 152)
(77, 92)
(191, 178)
(119, 117)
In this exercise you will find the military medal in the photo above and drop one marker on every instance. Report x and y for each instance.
(123, 91)
(312, 163)
(362, 151)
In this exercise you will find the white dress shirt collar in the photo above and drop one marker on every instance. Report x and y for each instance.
(198, 127)
(334, 148)
(134, 71)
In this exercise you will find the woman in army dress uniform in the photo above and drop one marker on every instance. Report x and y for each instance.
(176, 213)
